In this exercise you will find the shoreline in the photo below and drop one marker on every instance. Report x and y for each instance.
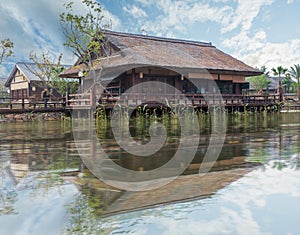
(31, 117)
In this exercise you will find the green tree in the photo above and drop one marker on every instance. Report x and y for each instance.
(264, 70)
(84, 33)
(295, 73)
(47, 66)
(287, 82)
(260, 82)
(61, 84)
(6, 49)
(279, 71)
(48, 70)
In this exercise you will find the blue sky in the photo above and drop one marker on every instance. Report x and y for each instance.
(258, 32)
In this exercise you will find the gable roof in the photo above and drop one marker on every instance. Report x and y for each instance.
(29, 70)
(139, 50)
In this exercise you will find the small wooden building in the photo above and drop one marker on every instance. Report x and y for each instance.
(23, 82)
(189, 66)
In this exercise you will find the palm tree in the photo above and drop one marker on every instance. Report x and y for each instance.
(264, 70)
(286, 82)
(295, 73)
(278, 72)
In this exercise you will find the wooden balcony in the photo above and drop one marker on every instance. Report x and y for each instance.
(84, 101)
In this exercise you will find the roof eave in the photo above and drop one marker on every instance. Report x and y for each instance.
(246, 73)
(10, 77)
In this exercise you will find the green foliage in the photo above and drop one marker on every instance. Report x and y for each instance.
(82, 219)
(287, 83)
(295, 73)
(6, 49)
(264, 70)
(47, 67)
(48, 72)
(61, 84)
(279, 71)
(84, 32)
(259, 82)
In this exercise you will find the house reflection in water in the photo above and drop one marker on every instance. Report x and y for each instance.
(58, 154)
(230, 166)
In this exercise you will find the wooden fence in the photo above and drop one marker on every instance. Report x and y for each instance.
(11, 105)
(195, 100)
(89, 101)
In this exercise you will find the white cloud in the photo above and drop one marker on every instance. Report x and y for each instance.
(40, 30)
(245, 44)
(254, 47)
(177, 16)
(245, 14)
(114, 20)
(221, 0)
(34, 26)
(250, 205)
(36, 31)
(135, 11)
(257, 51)
(275, 54)
(144, 2)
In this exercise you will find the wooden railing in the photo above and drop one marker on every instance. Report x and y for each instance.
(199, 100)
(80, 100)
(8, 105)
(88, 101)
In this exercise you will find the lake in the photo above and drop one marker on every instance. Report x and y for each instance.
(50, 177)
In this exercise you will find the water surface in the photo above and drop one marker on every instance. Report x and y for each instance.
(254, 187)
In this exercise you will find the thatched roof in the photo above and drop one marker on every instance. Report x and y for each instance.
(133, 51)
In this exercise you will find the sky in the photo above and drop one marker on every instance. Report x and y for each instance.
(258, 32)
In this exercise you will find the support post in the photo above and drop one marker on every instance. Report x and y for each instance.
(23, 104)
(45, 103)
(280, 89)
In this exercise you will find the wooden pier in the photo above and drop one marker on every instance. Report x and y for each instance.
(88, 101)
(31, 105)
(233, 102)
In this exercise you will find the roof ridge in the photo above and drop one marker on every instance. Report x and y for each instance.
(156, 38)
(32, 63)
(23, 62)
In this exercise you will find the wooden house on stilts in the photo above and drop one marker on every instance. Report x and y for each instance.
(195, 69)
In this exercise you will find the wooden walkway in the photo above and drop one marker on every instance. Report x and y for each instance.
(89, 102)
(30, 105)
(239, 102)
